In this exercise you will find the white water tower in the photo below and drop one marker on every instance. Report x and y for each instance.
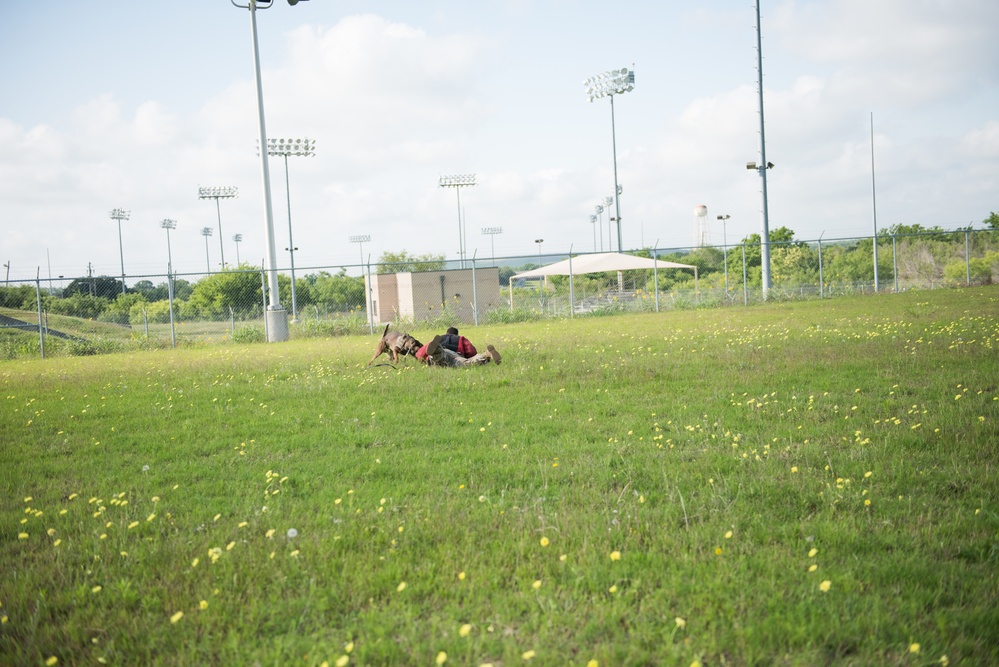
(702, 232)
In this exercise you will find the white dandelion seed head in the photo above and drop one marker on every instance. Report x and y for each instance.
(292, 533)
(145, 468)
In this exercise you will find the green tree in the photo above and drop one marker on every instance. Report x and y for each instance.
(338, 292)
(215, 294)
(403, 262)
(103, 286)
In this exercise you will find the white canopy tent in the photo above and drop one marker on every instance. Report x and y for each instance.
(601, 263)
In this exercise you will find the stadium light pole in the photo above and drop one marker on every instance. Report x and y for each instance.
(599, 208)
(458, 182)
(217, 194)
(206, 232)
(764, 165)
(492, 232)
(237, 238)
(276, 316)
(724, 219)
(609, 84)
(285, 147)
(120, 214)
(168, 224)
(360, 239)
(593, 223)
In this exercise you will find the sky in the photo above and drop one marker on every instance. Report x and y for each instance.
(877, 112)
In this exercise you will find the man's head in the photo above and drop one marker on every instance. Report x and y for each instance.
(452, 330)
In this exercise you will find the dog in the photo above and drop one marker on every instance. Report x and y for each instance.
(395, 343)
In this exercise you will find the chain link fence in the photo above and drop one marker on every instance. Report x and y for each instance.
(97, 314)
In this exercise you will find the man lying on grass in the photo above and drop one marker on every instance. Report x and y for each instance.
(454, 350)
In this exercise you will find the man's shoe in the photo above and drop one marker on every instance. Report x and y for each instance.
(493, 353)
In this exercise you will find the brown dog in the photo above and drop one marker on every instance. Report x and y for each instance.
(396, 343)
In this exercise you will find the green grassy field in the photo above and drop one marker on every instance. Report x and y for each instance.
(808, 483)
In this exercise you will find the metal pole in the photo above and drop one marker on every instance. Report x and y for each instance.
(765, 240)
(173, 330)
(218, 210)
(475, 294)
(291, 242)
(822, 285)
(874, 202)
(461, 244)
(38, 300)
(655, 272)
(572, 292)
(894, 262)
(967, 257)
(280, 315)
(745, 286)
(371, 303)
(121, 253)
(617, 194)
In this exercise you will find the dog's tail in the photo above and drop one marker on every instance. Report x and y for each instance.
(386, 329)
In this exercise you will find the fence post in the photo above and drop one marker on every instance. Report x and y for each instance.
(232, 322)
(822, 285)
(263, 290)
(173, 330)
(475, 292)
(894, 262)
(145, 323)
(967, 258)
(572, 291)
(371, 301)
(655, 272)
(38, 300)
(745, 285)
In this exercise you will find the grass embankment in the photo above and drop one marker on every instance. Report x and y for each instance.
(806, 483)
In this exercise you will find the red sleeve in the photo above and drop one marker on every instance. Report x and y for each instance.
(421, 354)
(465, 348)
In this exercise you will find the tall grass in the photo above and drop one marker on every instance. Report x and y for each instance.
(806, 483)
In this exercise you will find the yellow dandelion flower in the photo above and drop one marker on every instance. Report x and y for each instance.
(52, 661)
(728, 535)
(544, 542)
(176, 617)
(914, 648)
(216, 517)
(794, 468)
(229, 547)
(401, 587)
(696, 663)
(465, 630)
(133, 525)
(593, 663)
(96, 589)
(813, 567)
(812, 552)
(612, 589)
(718, 551)
(441, 658)
(867, 502)
(342, 661)
(615, 555)
(194, 563)
(563, 557)
(243, 524)
(680, 622)
(269, 534)
(944, 660)
(57, 543)
(23, 536)
(294, 554)
(461, 576)
(527, 655)
(536, 585)
(348, 647)
(51, 532)
(825, 586)
(150, 517)
(203, 605)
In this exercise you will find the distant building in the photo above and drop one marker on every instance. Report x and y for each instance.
(424, 295)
